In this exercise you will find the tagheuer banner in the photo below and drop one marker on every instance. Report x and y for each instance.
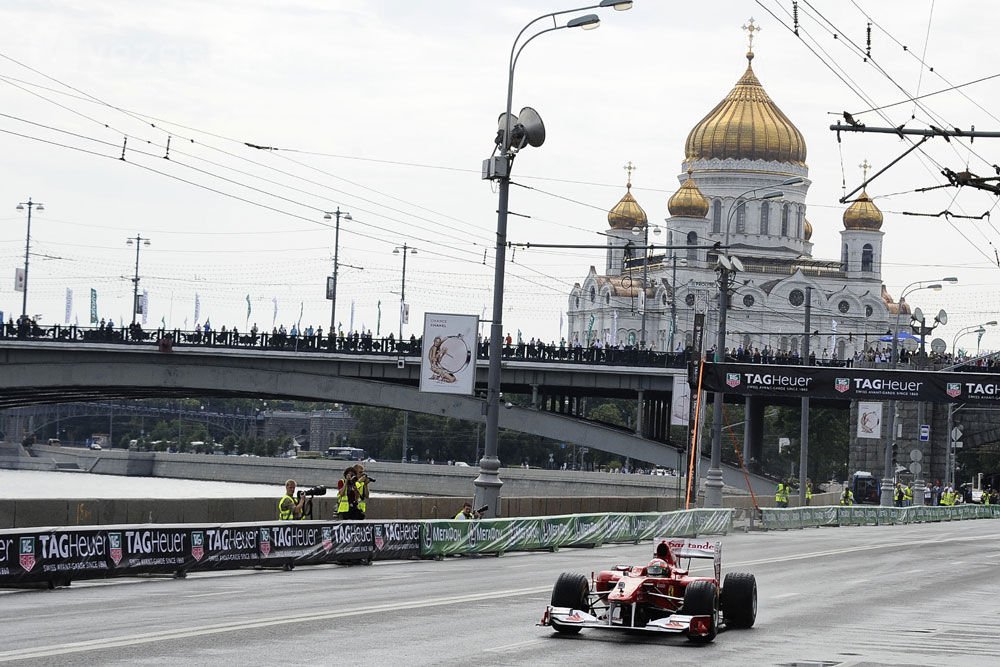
(852, 383)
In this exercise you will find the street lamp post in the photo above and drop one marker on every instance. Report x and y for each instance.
(27, 249)
(727, 269)
(645, 278)
(336, 265)
(402, 289)
(139, 242)
(890, 442)
(977, 328)
(488, 482)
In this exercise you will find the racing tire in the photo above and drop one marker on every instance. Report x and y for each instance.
(701, 598)
(573, 591)
(739, 600)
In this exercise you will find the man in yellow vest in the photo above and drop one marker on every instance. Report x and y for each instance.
(847, 497)
(781, 495)
(907, 495)
(290, 509)
(363, 491)
(347, 494)
(809, 492)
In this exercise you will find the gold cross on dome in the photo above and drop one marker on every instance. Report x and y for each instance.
(864, 169)
(751, 27)
(629, 168)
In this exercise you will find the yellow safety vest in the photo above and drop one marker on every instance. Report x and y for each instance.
(781, 494)
(362, 503)
(847, 498)
(286, 514)
(907, 493)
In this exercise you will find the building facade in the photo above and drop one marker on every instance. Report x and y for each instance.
(743, 187)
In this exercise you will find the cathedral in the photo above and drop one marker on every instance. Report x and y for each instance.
(743, 185)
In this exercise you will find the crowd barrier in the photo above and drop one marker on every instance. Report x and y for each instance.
(60, 555)
(870, 515)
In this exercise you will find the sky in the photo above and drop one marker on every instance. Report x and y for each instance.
(386, 109)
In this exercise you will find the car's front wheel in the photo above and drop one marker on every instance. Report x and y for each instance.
(701, 598)
(571, 590)
(739, 600)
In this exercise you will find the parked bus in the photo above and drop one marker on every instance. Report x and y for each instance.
(346, 454)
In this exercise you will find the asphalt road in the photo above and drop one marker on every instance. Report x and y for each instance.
(901, 595)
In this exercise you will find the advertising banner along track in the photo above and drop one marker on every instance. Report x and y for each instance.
(852, 383)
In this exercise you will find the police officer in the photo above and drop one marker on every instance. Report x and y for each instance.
(847, 497)
(290, 509)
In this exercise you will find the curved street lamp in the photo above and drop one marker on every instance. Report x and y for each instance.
(498, 168)
(977, 328)
(890, 442)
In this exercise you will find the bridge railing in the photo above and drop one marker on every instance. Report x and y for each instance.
(387, 346)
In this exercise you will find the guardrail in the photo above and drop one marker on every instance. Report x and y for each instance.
(60, 555)
(870, 515)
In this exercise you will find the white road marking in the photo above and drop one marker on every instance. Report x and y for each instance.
(184, 633)
(783, 596)
(508, 647)
(209, 595)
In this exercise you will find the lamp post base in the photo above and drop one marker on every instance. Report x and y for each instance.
(713, 488)
(488, 485)
(918, 492)
(887, 490)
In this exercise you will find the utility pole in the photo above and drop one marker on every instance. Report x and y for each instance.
(27, 249)
(336, 266)
(804, 424)
(139, 242)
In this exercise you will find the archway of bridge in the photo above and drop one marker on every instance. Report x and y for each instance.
(81, 381)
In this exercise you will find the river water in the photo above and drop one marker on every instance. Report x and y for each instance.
(31, 484)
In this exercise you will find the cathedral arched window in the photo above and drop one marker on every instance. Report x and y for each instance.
(843, 259)
(593, 295)
(765, 217)
(692, 240)
(798, 222)
(741, 217)
(784, 220)
(717, 216)
(867, 257)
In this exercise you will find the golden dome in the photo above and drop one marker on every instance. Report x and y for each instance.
(627, 213)
(807, 230)
(688, 201)
(863, 214)
(746, 125)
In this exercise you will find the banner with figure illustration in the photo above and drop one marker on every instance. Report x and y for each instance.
(448, 360)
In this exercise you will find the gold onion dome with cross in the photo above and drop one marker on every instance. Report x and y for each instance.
(627, 214)
(688, 200)
(863, 214)
(746, 125)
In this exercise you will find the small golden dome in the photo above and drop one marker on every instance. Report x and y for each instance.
(746, 125)
(688, 201)
(863, 214)
(807, 230)
(627, 213)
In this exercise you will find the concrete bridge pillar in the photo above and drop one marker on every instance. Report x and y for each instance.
(639, 409)
(535, 398)
(753, 432)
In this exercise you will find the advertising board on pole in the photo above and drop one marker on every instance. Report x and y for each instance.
(448, 361)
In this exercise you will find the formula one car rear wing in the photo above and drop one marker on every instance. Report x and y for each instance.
(682, 547)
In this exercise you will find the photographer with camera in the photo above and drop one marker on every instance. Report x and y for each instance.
(290, 508)
(363, 491)
(468, 514)
(349, 495)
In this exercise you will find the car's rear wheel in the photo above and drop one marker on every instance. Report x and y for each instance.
(701, 598)
(739, 600)
(573, 591)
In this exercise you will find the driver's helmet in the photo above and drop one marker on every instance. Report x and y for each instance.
(656, 568)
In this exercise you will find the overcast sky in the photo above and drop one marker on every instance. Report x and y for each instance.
(387, 109)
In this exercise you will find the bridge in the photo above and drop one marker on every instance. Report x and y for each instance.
(60, 371)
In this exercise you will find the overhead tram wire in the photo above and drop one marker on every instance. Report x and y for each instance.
(923, 63)
(138, 117)
(863, 96)
(233, 169)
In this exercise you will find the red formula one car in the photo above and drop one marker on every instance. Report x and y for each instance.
(658, 597)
